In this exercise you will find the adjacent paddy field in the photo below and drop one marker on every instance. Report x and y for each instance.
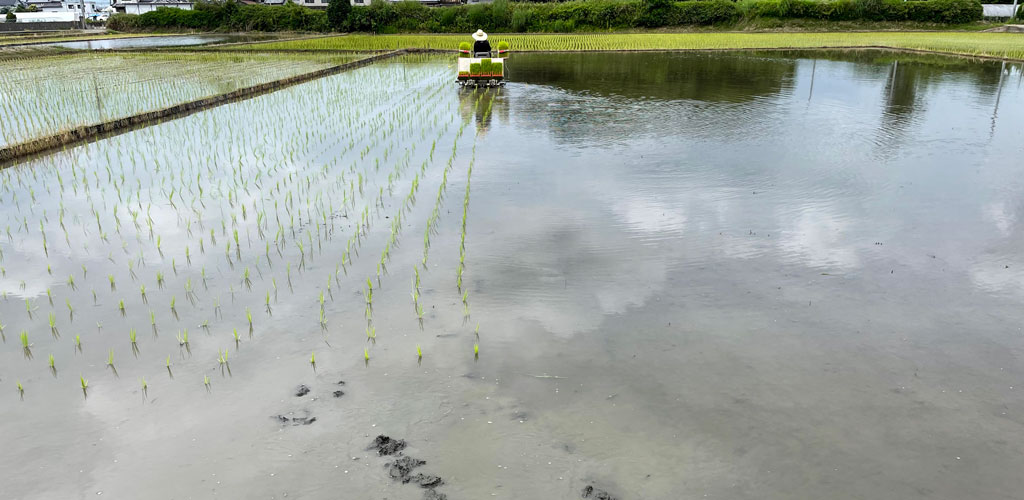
(57, 93)
(747, 275)
(42, 38)
(1003, 45)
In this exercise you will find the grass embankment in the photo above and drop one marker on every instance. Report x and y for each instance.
(998, 45)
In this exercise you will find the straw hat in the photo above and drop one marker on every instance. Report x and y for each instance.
(479, 35)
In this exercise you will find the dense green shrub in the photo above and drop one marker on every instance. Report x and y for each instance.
(123, 22)
(337, 13)
(933, 11)
(11, 18)
(505, 16)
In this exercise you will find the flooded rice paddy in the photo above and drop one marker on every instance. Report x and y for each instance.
(60, 92)
(151, 42)
(745, 276)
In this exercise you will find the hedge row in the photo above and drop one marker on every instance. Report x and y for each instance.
(226, 16)
(932, 11)
(523, 17)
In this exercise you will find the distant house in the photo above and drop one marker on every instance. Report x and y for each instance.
(46, 5)
(89, 6)
(322, 4)
(144, 6)
(46, 17)
(313, 4)
(9, 5)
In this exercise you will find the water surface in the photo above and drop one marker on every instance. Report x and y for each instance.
(755, 275)
(150, 42)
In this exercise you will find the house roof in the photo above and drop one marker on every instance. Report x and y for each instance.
(152, 2)
(8, 3)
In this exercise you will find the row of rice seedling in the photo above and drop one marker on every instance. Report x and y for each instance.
(58, 93)
(1002, 45)
(201, 228)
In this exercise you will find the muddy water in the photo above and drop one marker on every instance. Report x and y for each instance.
(730, 275)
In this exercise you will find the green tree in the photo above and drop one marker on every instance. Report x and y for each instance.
(337, 14)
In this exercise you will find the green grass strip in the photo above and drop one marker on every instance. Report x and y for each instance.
(998, 45)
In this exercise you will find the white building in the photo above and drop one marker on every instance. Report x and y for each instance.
(144, 6)
(45, 17)
(88, 7)
(322, 4)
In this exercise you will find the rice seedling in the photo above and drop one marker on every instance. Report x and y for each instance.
(21, 391)
(83, 382)
(366, 354)
(955, 43)
(78, 343)
(476, 350)
(419, 353)
(206, 382)
(120, 307)
(145, 387)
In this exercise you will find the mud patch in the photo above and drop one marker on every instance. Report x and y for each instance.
(596, 494)
(338, 393)
(433, 495)
(387, 446)
(301, 390)
(401, 468)
(290, 420)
